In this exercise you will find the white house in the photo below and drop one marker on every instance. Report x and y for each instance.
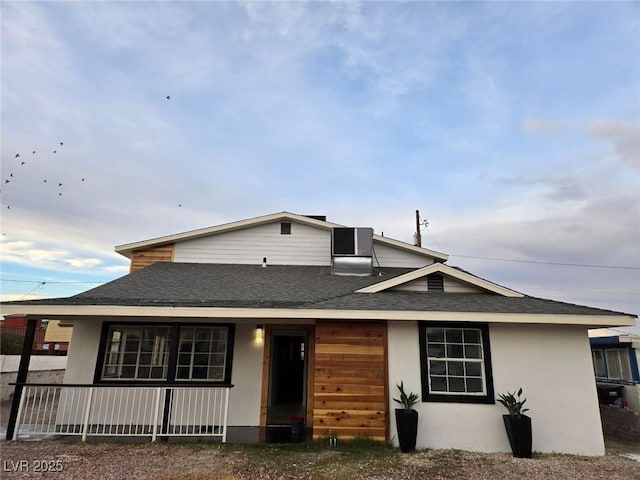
(249, 323)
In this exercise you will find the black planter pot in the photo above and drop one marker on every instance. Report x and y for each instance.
(407, 425)
(519, 433)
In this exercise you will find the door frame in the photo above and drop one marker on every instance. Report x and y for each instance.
(266, 368)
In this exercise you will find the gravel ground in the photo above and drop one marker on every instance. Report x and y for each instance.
(63, 459)
(199, 461)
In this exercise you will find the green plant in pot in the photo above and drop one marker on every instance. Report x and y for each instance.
(406, 419)
(517, 424)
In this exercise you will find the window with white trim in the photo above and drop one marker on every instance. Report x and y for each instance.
(612, 363)
(455, 362)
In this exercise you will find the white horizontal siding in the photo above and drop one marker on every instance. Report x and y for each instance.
(451, 285)
(386, 256)
(305, 246)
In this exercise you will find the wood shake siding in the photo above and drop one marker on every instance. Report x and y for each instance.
(144, 258)
(350, 393)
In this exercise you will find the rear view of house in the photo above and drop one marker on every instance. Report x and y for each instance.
(252, 323)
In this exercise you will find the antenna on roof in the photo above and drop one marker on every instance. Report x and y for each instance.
(418, 236)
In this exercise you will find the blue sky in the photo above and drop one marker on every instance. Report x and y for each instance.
(513, 127)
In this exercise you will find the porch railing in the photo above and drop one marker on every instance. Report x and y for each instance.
(123, 410)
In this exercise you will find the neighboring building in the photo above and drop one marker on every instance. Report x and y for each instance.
(616, 356)
(292, 315)
(57, 337)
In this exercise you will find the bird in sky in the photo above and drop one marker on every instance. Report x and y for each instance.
(33, 151)
(61, 143)
(168, 97)
(7, 181)
(17, 155)
(45, 180)
(22, 163)
(59, 184)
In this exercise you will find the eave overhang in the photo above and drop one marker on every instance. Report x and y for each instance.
(90, 312)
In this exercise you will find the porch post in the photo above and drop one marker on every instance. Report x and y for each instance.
(23, 371)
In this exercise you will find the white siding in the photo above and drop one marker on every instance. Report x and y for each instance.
(305, 246)
(451, 285)
(386, 256)
(551, 363)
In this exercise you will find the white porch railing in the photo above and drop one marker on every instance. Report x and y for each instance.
(125, 411)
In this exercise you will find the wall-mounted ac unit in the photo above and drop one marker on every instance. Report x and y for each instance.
(352, 251)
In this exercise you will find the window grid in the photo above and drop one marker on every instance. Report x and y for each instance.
(139, 353)
(202, 353)
(455, 361)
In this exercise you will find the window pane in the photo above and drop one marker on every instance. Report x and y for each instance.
(474, 385)
(598, 363)
(472, 336)
(473, 369)
(456, 384)
(454, 335)
(455, 368)
(438, 384)
(437, 368)
(435, 334)
(472, 351)
(455, 351)
(182, 373)
(435, 350)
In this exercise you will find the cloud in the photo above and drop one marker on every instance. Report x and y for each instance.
(624, 137)
(48, 256)
(539, 125)
(555, 188)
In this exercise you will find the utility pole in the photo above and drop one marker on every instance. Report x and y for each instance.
(418, 234)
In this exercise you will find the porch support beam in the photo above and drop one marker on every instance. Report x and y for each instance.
(23, 371)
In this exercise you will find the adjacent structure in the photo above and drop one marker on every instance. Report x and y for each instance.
(251, 323)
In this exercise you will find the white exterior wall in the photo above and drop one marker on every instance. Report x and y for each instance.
(386, 256)
(83, 351)
(551, 363)
(305, 246)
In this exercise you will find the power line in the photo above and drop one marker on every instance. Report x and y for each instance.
(43, 282)
(541, 262)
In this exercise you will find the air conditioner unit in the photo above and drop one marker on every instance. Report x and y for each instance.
(352, 251)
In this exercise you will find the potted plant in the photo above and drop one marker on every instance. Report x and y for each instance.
(406, 419)
(517, 424)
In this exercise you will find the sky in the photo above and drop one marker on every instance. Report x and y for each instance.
(514, 127)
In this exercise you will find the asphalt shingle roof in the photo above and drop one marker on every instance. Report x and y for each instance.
(290, 286)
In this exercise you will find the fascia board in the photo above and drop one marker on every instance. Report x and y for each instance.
(446, 270)
(128, 248)
(411, 248)
(74, 312)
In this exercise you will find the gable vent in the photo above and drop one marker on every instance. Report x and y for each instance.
(285, 228)
(435, 282)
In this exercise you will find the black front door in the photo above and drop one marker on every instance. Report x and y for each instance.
(287, 376)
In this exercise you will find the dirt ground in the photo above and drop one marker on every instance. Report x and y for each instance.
(65, 459)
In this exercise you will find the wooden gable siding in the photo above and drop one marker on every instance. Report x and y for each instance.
(350, 380)
(144, 258)
(305, 245)
(387, 256)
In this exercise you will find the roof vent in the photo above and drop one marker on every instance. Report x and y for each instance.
(435, 282)
(352, 251)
